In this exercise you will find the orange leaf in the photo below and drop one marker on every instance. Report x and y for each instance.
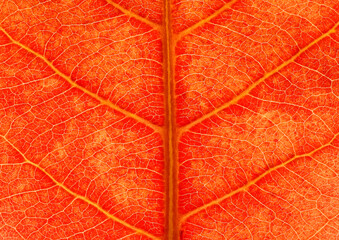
(140, 119)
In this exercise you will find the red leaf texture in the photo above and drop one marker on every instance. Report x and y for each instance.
(143, 119)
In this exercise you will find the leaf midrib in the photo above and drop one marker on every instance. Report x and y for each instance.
(171, 156)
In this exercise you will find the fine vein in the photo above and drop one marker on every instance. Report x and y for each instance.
(323, 227)
(136, 16)
(74, 84)
(205, 20)
(85, 199)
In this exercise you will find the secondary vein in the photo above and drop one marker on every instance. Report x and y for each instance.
(255, 84)
(75, 85)
(254, 181)
(85, 199)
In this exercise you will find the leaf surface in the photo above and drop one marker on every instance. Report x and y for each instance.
(169, 119)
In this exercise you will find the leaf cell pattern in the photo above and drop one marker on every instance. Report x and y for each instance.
(141, 119)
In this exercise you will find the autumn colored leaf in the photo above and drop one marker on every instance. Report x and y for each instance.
(143, 119)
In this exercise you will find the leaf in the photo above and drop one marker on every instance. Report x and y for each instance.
(169, 119)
